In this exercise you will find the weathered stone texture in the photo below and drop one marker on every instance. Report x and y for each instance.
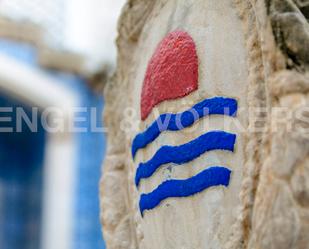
(273, 207)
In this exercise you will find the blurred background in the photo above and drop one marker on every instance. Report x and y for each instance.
(55, 56)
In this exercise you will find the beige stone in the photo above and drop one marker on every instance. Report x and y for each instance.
(254, 51)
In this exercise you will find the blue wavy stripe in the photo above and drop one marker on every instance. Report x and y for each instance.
(214, 140)
(174, 122)
(214, 176)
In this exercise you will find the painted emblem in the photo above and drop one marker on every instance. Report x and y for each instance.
(173, 73)
(175, 60)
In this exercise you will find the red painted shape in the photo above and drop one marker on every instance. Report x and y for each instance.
(172, 71)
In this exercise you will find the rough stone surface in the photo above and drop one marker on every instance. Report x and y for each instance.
(256, 51)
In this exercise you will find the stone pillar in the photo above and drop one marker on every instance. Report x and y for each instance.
(207, 126)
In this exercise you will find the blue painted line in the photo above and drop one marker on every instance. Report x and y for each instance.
(175, 122)
(214, 176)
(214, 140)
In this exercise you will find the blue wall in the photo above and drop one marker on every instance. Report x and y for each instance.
(21, 168)
(91, 147)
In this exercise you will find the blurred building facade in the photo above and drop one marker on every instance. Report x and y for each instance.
(48, 180)
(49, 14)
(21, 176)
